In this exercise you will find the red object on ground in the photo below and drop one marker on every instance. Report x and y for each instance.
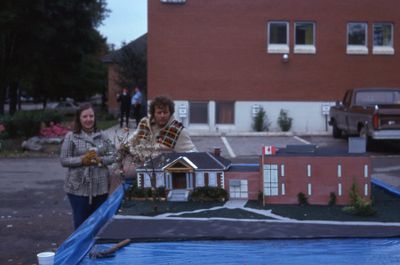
(54, 130)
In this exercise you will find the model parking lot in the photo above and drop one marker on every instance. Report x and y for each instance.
(247, 149)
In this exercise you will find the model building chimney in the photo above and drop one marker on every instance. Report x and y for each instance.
(217, 151)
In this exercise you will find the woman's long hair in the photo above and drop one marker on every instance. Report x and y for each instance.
(77, 120)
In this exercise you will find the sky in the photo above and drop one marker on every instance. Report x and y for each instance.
(126, 21)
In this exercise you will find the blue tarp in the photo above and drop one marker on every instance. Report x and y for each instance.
(282, 252)
(81, 241)
(309, 251)
(386, 186)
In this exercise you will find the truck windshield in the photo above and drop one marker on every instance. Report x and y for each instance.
(384, 97)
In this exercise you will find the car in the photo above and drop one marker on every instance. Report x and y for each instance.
(64, 107)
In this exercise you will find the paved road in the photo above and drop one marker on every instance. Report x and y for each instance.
(34, 213)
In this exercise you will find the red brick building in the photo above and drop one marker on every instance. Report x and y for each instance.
(221, 60)
(316, 174)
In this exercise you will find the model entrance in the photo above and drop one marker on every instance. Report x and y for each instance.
(179, 180)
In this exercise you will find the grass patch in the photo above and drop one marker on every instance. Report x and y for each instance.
(386, 204)
(226, 213)
(146, 208)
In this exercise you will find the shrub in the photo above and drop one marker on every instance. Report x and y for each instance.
(161, 192)
(332, 199)
(302, 198)
(27, 123)
(358, 206)
(203, 194)
(260, 121)
(136, 192)
(284, 121)
(260, 197)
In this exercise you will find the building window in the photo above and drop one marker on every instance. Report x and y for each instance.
(147, 181)
(238, 189)
(278, 37)
(270, 180)
(224, 112)
(383, 38)
(199, 179)
(198, 112)
(304, 37)
(160, 179)
(212, 179)
(357, 38)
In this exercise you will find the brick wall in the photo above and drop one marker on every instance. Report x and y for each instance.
(216, 49)
(324, 178)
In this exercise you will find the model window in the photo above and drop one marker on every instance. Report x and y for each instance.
(278, 37)
(199, 179)
(383, 38)
(271, 180)
(198, 112)
(339, 171)
(212, 179)
(238, 189)
(224, 112)
(147, 181)
(304, 37)
(357, 38)
(160, 179)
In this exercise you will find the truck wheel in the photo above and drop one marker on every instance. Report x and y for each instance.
(336, 132)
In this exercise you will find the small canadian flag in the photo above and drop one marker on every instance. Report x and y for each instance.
(269, 150)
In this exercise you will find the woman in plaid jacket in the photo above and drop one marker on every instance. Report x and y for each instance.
(86, 153)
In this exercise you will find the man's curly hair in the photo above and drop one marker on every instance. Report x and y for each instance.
(161, 102)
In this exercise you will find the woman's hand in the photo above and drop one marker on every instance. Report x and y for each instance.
(90, 158)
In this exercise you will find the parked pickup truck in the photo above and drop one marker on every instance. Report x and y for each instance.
(372, 113)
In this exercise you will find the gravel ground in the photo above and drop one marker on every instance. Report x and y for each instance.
(35, 215)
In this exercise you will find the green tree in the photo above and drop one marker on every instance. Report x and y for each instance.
(284, 121)
(44, 44)
(260, 121)
(132, 66)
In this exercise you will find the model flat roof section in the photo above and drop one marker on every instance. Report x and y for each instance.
(244, 168)
(314, 150)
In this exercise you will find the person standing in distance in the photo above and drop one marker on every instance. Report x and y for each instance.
(125, 107)
(137, 104)
(86, 153)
